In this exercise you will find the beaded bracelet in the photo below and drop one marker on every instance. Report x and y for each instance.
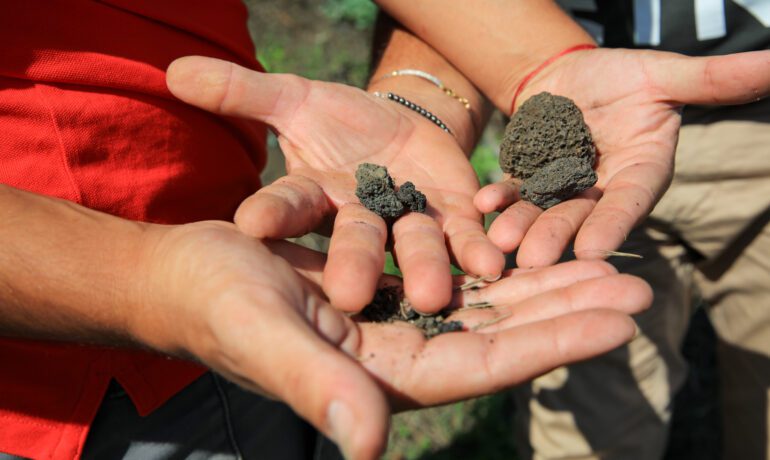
(431, 78)
(416, 108)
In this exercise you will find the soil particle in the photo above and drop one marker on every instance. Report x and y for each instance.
(558, 181)
(389, 305)
(547, 128)
(376, 190)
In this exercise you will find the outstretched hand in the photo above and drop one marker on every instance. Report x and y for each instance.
(632, 101)
(255, 313)
(325, 131)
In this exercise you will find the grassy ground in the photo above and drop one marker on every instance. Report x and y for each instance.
(329, 40)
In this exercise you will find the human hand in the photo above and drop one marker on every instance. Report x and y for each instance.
(255, 313)
(631, 100)
(325, 131)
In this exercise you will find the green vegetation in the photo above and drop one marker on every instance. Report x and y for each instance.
(478, 429)
(361, 13)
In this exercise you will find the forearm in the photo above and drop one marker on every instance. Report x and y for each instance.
(495, 43)
(403, 50)
(67, 272)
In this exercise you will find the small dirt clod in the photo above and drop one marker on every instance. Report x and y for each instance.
(389, 305)
(376, 190)
(543, 134)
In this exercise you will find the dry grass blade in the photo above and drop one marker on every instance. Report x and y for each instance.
(491, 322)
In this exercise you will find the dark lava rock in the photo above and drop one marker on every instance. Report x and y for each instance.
(389, 305)
(376, 190)
(548, 145)
(558, 181)
(411, 197)
(545, 127)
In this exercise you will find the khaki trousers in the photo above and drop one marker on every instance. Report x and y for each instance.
(708, 236)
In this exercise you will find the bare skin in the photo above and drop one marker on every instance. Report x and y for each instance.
(256, 313)
(326, 130)
(631, 100)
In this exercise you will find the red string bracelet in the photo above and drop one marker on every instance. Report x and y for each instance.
(571, 49)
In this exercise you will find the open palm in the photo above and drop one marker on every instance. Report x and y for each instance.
(326, 130)
(632, 101)
(254, 312)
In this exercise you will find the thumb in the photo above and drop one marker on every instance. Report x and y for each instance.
(307, 360)
(229, 89)
(731, 79)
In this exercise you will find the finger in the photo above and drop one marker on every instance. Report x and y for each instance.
(732, 79)
(305, 261)
(497, 196)
(508, 229)
(356, 257)
(463, 365)
(520, 284)
(423, 259)
(550, 234)
(624, 293)
(289, 207)
(471, 248)
(310, 373)
(628, 198)
(229, 89)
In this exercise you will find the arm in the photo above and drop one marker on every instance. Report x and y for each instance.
(207, 291)
(495, 43)
(77, 283)
(403, 50)
(631, 100)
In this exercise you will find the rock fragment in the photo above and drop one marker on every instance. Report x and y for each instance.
(376, 190)
(547, 128)
(411, 197)
(558, 181)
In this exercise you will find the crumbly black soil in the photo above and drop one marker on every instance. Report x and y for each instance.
(558, 181)
(389, 305)
(376, 190)
(547, 128)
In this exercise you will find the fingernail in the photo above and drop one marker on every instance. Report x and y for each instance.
(342, 426)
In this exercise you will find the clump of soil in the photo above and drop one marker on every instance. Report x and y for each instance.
(389, 305)
(548, 145)
(377, 191)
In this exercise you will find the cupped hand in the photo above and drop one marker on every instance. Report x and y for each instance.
(631, 100)
(255, 312)
(325, 131)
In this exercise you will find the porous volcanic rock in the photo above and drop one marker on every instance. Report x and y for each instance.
(547, 128)
(558, 181)
(376, 190)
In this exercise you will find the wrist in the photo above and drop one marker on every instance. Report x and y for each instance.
(449, 110)
(153, 319)
(534, 81)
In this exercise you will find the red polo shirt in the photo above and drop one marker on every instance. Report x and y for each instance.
(85, 116)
